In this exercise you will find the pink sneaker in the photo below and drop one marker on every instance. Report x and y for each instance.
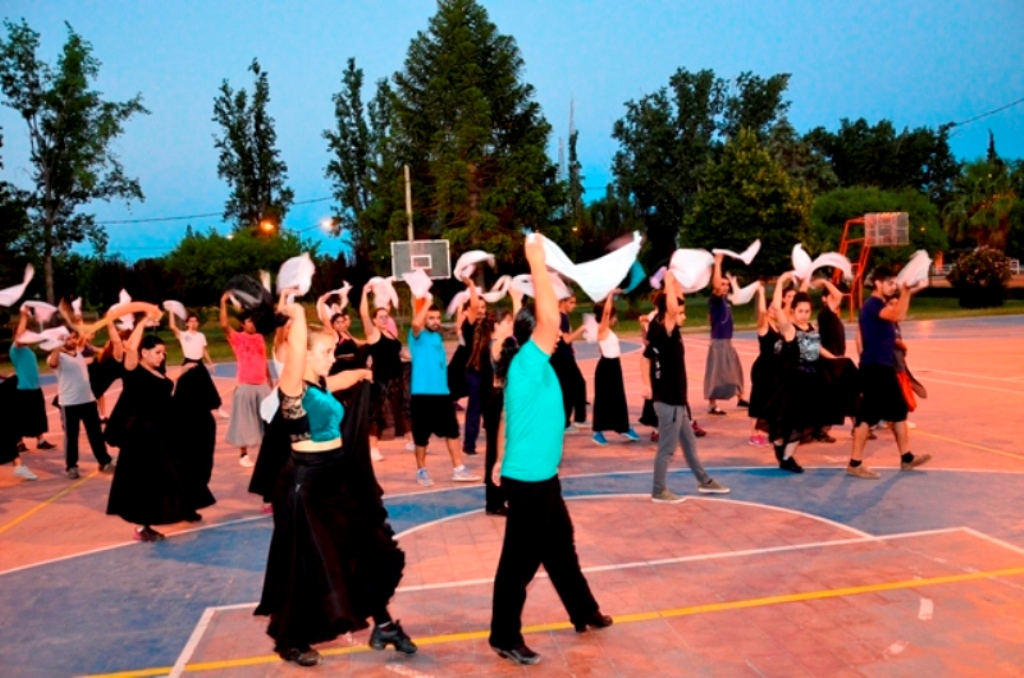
(757, 441)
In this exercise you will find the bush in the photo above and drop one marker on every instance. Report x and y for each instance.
(980, 277)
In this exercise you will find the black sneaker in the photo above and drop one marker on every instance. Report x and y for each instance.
(520, 654)
(22, 447)
(823, 437)
(392, 634)
(500, 511)
(597, 621)
(791, 465)
(306, 657)
(45, 445)
(742, 403)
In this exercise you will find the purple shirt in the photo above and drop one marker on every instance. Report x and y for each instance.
(721, 317)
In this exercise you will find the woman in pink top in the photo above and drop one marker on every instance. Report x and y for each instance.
(245, 428)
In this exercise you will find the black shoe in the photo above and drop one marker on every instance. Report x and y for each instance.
(22, 447)
(500, 511)
(392, 634)
(307, 657)
(597, 621)
(780, 453)
(823, 437)
(471, 453)
(742, 403)
(791, 465)
(520, 655)
(45, 445)
(193, 517)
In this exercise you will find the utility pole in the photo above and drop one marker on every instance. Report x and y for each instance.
(408, 202)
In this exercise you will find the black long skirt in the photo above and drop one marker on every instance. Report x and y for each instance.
(611, 412)
(803, 406)
(275, 449)
(495, 495)
(195, 398)
(332, 563)
(458, 386)
(843, 381)
(648, 417)
(147, 488)
(9, 435)
(29, 413)
(764, 385)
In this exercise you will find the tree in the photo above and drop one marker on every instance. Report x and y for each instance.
(364, 168)
(748, 195)
(983, 202)
(802, 162)
(249, 161)
(475, 139)
(71, 130)
(14, 229)
(666, 140)
(866, 155)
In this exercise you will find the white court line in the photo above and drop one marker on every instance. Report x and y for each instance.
(193, 642)
(932, 380)
(923, 370)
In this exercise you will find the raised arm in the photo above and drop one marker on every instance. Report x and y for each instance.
(324, 313)
(224, 323)
(716, 275)
(786, 328)
(22, 325)
(419, 320)
(517, 300)
(545, 334)
(115, 339)
(899, 313)
(835, 297)
(762, 311)
(290, 381)
(371, 331)
(474, 298)
(131, 346)
(172, 322)
(606, 316)
(671, 318)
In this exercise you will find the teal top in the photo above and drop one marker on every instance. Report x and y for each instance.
(24, 360)
(429, 366)
(534, 417)
(315, 415)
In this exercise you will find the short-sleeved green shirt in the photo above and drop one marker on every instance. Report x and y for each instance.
(534, 417)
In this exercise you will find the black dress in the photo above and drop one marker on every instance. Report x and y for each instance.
(148, 488)
(806, 404)
(103, 373)
(275, 449)
(458, 386)
(388, 403)
(764, 377)
(9, 435)
(333, 558)
(195, 398)
(493, 405)
(611, 411)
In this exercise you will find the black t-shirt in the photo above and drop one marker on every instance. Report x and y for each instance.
(562, 349)
(833, 333)
(668, 366)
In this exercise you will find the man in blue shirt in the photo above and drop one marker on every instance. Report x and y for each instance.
(881, 395)
(538, 529)
(723, 376)
(432, 409)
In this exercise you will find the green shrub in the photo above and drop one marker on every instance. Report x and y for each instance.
(980, 277)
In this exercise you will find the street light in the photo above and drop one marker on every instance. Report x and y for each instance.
(267, 226)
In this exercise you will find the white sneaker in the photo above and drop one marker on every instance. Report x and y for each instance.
(246, 461)
(911, 425)
(23, 473)
(222, 414)
(375, 454)
(410, 446)
(423, 478)
(461, 475)
(571, 429)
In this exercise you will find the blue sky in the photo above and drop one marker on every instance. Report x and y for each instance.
(915, 63)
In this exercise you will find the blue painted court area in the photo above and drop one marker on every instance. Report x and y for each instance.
(135, 606)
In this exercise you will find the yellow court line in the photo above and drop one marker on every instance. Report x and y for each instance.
(622, 619)
(990, 450)
(32, 511)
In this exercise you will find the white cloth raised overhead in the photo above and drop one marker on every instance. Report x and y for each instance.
(524, 282)
(419, 282)
(692, 269)
(296, 273)
(916, 270)
(40, 310)
(803, 267)
(746, 256)
(466, 264)
(10, 295)
(177, 308)
(599, 277)
(742, 295)
(384, 294)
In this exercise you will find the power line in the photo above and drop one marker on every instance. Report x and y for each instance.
(992, 112)
(207, 215)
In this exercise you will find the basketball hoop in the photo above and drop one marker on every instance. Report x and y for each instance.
(886, 229)
(432, 256)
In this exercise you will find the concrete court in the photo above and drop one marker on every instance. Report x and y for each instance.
(817, 574)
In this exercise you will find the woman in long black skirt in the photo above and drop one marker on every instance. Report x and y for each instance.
(195, 399)
(275, 447)
(389, 404)
(333, 560)
(611, 412)
(764, 373)
(147, 488)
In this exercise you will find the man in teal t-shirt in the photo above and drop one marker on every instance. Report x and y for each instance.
(29, 406)
(431, 408)
(538, 529)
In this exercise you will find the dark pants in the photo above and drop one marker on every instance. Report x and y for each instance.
(473, 412)
(495, 494)
(89, 415)
(538, 531)
(574, 388)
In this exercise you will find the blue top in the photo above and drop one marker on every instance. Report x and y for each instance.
(877, 335)
(721, 317)
(24, 360)
(315, 415)
(429, 367)
(534, 421)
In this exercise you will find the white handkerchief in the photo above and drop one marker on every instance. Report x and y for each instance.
(692, 269)
(269, 406)
(599, 277)
(742, 295)
(916, 270)
(468, 261)
(746, 256)
(419, 282)
(76, 308)
(590, 328)
(297, 272)
(457, 301)
(803, 267)
(384, 294)
(658, 279)
(40, 310)
(524, 282)
(11, 294)
(125, 322)
(53, 337)
(498, 290)
(176, 307)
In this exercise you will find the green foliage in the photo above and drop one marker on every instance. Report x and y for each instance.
(249, 161)
(71, 130)
(14, 229)
(475, 139)
(985, 198)
(803, 163)
(205, 262)
(831, 211)
(866, 155)
(980, 276)
(748, 195)
(668, 138)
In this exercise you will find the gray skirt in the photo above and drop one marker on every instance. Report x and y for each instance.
(245, 428)
(723, 377)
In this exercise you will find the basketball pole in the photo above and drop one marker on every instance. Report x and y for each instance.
(408, 201)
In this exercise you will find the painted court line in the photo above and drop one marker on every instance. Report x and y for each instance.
(39, 507)
(622, 619)
(983, 448)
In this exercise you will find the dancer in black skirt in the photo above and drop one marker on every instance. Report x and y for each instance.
(389, 402)
(333, 559)
(476, 381)
(764, 373)
(28, 407)
(611, 412)
(9, 437)
(276, 447)
(195, 400)
(148, 486)
(106, 368)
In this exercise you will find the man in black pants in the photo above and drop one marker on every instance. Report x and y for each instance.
(77, 405)
(538, 530)
(570, 379)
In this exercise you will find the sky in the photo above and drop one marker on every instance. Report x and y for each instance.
(914, 63)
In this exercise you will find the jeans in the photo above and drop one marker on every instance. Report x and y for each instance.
(675, 427)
